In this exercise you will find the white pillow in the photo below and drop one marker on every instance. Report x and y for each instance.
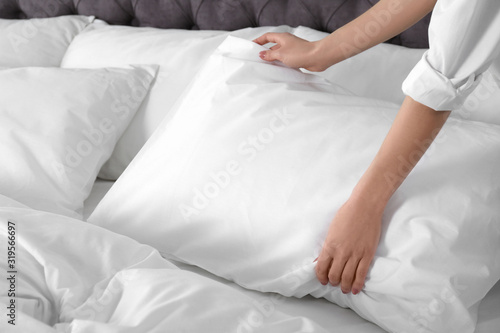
(380, 71)
(59, 126)
(245, 180)
(180, 54)
(38, 42)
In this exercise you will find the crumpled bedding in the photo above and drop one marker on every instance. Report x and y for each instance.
(70, 276)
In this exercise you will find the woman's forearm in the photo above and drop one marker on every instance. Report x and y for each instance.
(412, 132)
(354, 233)
(383, 21)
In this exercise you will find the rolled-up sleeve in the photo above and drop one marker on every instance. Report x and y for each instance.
(464, 40)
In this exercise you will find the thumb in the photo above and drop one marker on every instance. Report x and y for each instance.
(269, 55)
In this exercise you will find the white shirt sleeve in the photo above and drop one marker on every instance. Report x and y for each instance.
(464, 40)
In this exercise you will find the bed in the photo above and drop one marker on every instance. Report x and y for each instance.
(157, 176)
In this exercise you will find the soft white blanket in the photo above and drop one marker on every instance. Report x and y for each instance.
(65, 275)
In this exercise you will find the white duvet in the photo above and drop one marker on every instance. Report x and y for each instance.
(70, 276)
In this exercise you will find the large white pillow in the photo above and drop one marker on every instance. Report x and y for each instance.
(38, 42)
(246, 178)
(380, 71)
(59, 126)
(180, 54)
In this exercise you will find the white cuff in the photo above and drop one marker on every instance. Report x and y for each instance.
(428, 86)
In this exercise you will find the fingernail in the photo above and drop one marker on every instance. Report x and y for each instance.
(315, 259)
(262, 54)
(355, 291)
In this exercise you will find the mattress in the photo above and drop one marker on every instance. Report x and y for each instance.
(326, 314)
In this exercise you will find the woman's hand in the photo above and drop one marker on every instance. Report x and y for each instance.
(293, 51)
(350, 246)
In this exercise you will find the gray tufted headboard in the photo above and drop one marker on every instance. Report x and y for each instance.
(324, 15)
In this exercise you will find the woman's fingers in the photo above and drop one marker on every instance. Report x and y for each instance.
(335, 273)
(269, 37)
(270, 55)
(361, 272)
(289, 49)
(322, 269)
(348, 274)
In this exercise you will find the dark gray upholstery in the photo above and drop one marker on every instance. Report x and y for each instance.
(324, 15)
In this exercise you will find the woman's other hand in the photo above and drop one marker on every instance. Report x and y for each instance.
(293, 51)
(350, 246)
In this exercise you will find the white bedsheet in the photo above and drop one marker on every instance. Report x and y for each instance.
(325, 314)
(65, 275)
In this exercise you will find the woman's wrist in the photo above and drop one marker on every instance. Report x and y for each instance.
(334, 48)
(372, 191)
(324, 54)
